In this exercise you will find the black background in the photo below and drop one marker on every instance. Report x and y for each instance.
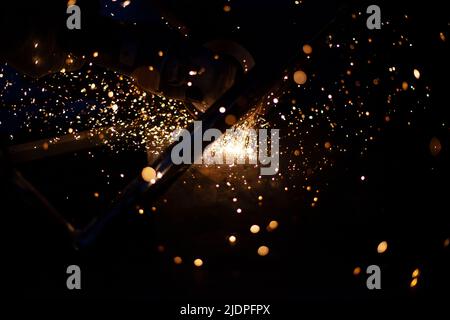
(315, 249)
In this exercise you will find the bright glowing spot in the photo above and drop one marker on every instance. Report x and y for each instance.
(198, 262)
(272, 225)
(356, 271)
(254, 229)
(263, 251)
(300, 77)
(95, 54)
(382, 247)
(236, 145)
(222, 110)
(232, 239)
(416, 73)
(307, 49)
(148, 174)
(416, 273)
(413, 283)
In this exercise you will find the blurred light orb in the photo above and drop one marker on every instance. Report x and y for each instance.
(435, 146)
(148, 174)
(446, 242)
(254, 228)
(382, 247)
(230, 119)
(272, 225)
(232, 239)
(307, 49)
(198, 262)
(263, 251)
(177, 260)
(356, 271)
(300, 77)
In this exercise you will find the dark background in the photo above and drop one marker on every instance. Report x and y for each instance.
(314, 251)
